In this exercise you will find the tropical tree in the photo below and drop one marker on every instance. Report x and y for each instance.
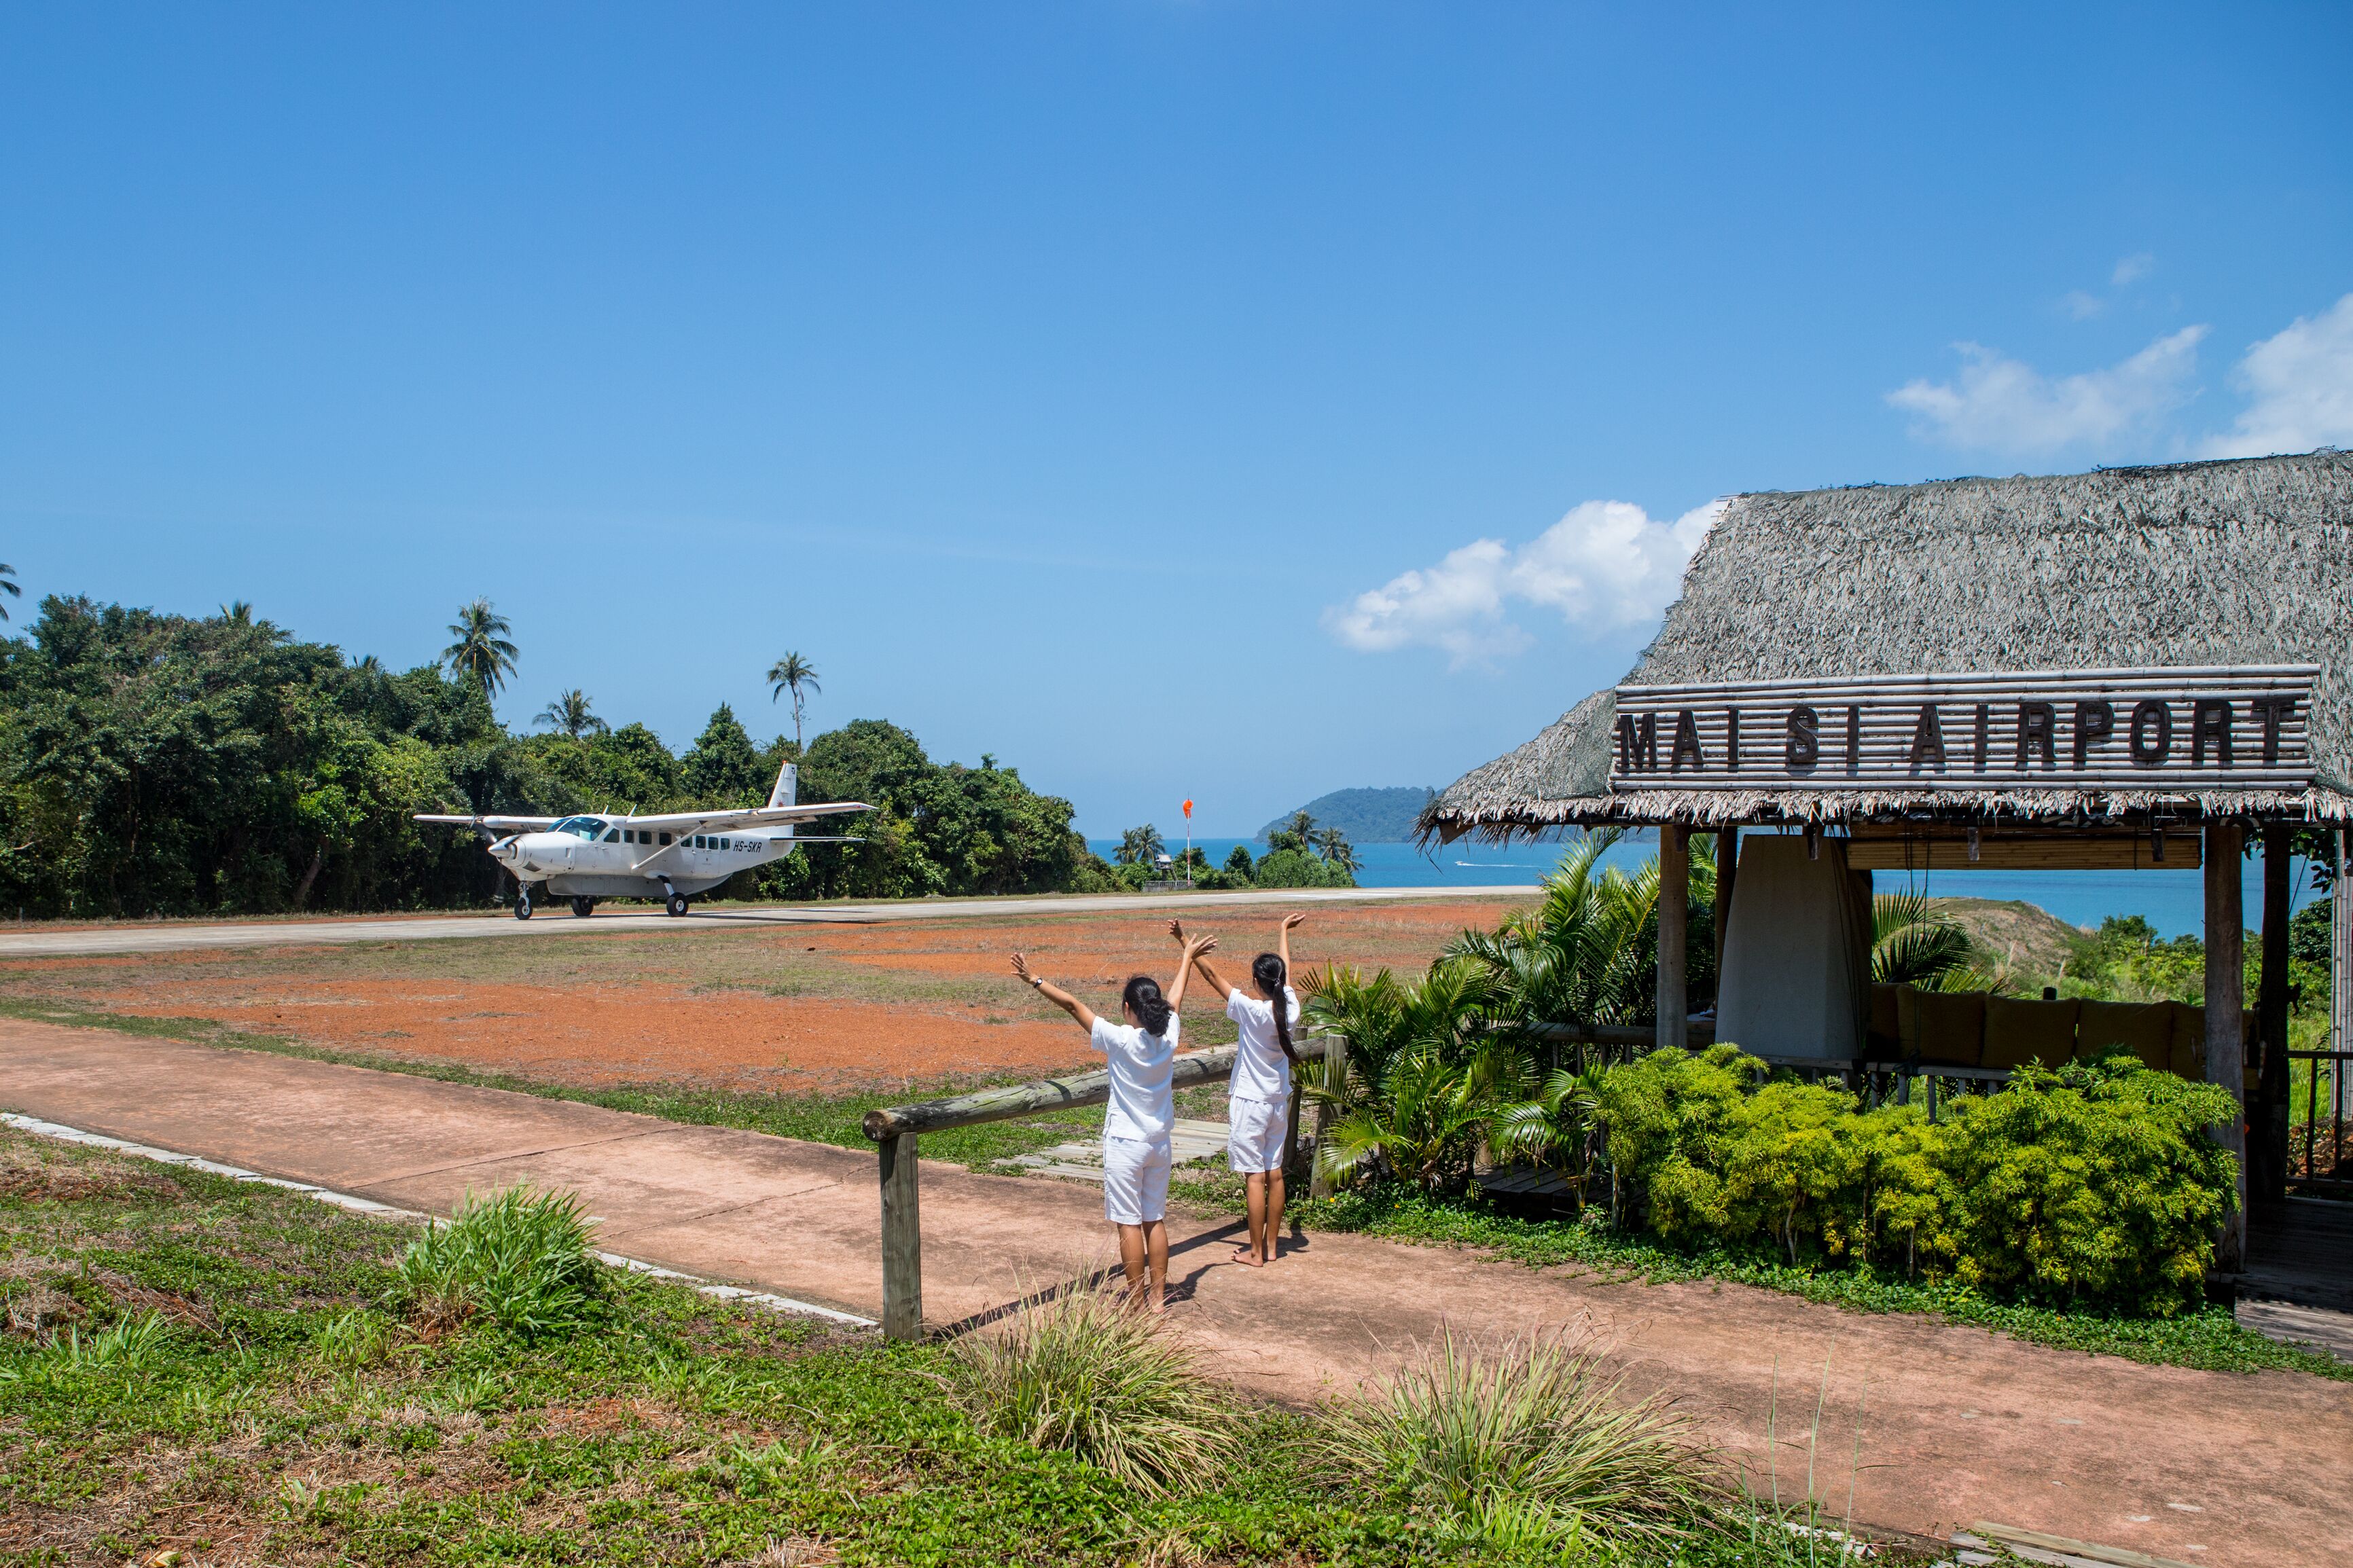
(569, 712)
(9, 588)
(481, 655)
(1297, 832)
(1424, 1082)
(1333, 844)
(1589, 954)
(797, 675)
(1913, 944)
(1139, 846)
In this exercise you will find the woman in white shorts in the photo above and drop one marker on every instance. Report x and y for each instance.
(1136, 1128)
(1258, 1097)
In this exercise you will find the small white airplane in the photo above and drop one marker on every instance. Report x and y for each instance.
(672, 857)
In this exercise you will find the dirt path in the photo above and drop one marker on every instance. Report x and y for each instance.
(1955, 1425)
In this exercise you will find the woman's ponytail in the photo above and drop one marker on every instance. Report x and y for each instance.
(1144, 999)
(1267, 972)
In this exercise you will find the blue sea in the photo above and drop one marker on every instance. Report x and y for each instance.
(2173, 902)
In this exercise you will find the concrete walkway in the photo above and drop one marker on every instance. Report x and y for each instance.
(1955, 1425)
(172, 936)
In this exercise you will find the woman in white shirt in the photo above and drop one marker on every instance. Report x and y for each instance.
(1258, 1097)
(1136, 1124)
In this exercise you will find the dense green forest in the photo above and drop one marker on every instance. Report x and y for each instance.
(168, 764)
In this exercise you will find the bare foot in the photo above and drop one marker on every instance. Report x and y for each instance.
(1159, 1308)
(1248, 1255)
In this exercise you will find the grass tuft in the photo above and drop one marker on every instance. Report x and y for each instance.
(1510, 1444)
(1090, 1374)
(520, 1259)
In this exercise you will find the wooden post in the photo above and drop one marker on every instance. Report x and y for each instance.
(2268, 1158)
(2225, 1001)
(1291, 1171)
(1335, 1066)
(1675, 909)
(1727, 861)
(902, 1241)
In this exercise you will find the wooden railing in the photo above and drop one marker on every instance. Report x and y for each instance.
(2312, 1177)
(894, 1130)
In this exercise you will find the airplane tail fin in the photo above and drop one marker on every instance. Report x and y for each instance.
(788, 786)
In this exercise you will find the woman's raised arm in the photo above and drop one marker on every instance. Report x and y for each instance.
(1055, 993)
(1198, 959)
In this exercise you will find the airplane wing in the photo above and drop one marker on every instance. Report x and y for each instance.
(497, 823)
(746, 816)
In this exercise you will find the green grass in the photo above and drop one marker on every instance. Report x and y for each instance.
(211, 1368)
(2209, 1339)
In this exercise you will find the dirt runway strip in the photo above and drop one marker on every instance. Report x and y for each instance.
(760, 1005)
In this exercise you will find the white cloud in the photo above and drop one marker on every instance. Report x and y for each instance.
(2133, 268)
(2007, 406)
(1606, 565)
(2299, 384)
(2083, 307)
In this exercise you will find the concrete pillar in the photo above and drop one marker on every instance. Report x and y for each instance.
(1674, 910)
(2225, 1000)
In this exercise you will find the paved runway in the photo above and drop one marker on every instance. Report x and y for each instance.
(169, 936)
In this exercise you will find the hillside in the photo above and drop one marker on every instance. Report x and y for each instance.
(1365, 816)
(2026, 936)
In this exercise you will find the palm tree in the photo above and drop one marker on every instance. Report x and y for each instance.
(569, 713)
(482, 653)
(797, 675)
(238, 612)
(1333, 844)
(8, 589)
(1139, 846)
(1911, 945)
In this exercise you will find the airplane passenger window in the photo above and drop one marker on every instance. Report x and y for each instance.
(665, 838)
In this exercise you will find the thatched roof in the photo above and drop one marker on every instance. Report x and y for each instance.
(2236, 563)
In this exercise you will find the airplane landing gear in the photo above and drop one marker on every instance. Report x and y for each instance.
(522, 902)
(677, 903)
(584, 908)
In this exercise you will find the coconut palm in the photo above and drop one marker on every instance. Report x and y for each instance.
(9, 588)
(1139, 846)
(482, 653)
(1333, 844)
(797, 675)
(570, 713)
(1297, 832)
(1589, 954)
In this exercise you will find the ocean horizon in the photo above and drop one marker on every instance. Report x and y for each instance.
(2173, 902)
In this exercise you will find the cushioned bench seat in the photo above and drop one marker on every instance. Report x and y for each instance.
(1973, 1030)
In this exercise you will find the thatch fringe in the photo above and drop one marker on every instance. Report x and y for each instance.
(2244, 562)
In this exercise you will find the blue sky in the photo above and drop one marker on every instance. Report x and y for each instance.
(1175, 400)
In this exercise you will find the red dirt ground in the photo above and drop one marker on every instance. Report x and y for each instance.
(823, 1008)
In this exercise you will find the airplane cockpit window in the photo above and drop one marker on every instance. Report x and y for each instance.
(588, 827)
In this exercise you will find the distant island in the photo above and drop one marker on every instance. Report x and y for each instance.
(1365, 816)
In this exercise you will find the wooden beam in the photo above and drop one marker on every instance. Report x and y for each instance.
(2225, 1000)
(1022, 1098)
(1674, 910)
(1727, 862)
(1941, 848)
(903, 1240)
(2267, 1155)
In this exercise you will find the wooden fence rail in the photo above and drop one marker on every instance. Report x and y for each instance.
(894, 1130)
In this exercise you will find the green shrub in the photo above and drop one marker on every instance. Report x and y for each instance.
(520, 1258)
(1093, 1375)
(1526, 1439)
(2097, 1183)
(1298, 868)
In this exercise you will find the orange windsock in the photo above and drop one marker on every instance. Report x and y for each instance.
(1188, 810)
